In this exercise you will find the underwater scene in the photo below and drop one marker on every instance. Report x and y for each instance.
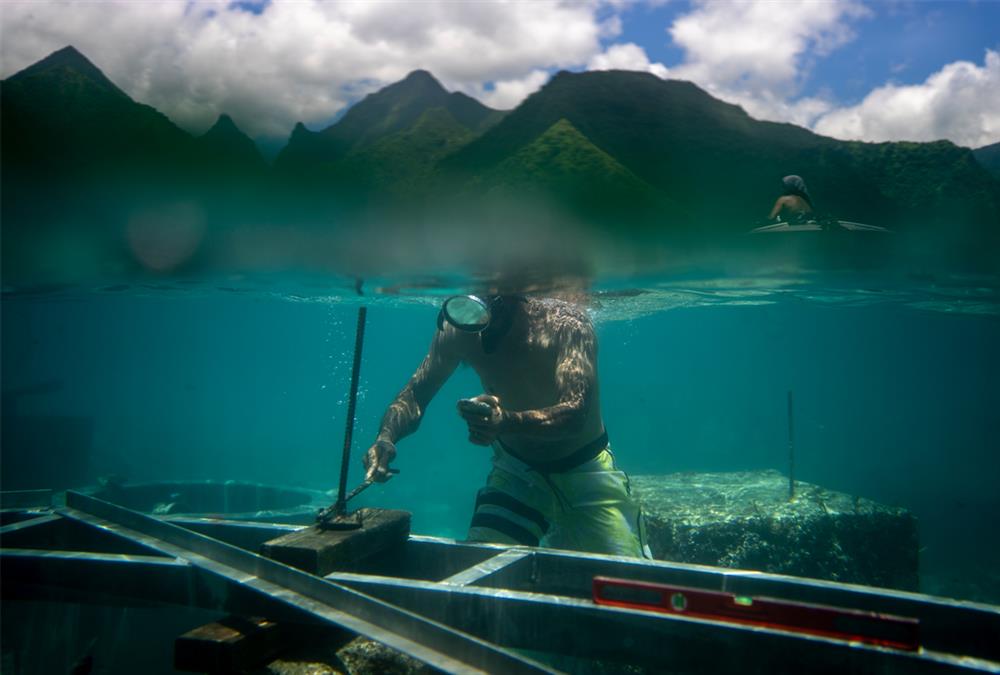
(583, 337)
(894, 406)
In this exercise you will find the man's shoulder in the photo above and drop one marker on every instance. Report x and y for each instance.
(449, 341)
(562, 314)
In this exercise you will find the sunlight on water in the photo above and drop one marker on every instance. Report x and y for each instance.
(611, 299)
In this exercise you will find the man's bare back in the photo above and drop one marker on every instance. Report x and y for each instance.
(790, 205)
(794, 202)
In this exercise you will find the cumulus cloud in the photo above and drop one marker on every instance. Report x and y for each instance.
(304, 59)
(271, 64)
(960, 102)
(746, 52)
(757, 54)
(506, 94)
(627, 56)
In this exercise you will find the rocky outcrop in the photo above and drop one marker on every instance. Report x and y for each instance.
(746, 521)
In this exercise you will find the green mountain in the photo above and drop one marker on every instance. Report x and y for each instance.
(564, 167)
(723, 167)
(939, 182)
(989, 157)
(64, 115)
(625, 152)
(391, 110)
(402, 163)
(229, 148)
(82, 163)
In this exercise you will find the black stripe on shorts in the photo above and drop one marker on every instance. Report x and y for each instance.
(505, 501)
(504, 526)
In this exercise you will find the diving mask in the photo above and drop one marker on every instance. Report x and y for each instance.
(467, 313)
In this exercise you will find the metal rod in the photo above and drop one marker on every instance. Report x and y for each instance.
(345, 462)
(791, 449)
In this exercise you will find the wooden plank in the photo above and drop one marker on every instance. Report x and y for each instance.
(237, 644)
(320, 551)
(230, 644)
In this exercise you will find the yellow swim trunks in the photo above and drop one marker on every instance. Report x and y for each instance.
(581, 503)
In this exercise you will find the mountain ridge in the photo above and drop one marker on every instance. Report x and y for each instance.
(389, 110)
(620, 150)
(988, 157)
(69, 58)
(229, 145)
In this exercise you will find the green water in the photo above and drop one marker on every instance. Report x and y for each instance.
(895, 383)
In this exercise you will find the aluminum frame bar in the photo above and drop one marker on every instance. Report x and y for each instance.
(537, 621)
(433, 643)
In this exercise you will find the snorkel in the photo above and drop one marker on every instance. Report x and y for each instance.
(491, 317)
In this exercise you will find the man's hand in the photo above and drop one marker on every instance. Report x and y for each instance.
(377, 460)
(485, 417)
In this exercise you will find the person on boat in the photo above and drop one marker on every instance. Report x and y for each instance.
(794, 204)
(554, 480)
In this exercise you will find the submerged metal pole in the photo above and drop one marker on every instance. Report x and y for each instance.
(345, 462)
(791, 449)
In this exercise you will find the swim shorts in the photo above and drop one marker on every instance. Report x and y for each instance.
(584, 507)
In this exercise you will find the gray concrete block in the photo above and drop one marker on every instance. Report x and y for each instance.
(746, 521)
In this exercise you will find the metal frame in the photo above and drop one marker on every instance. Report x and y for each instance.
(465, 607)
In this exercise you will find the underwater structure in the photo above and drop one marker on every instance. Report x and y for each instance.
(746, 520)
(458, 607)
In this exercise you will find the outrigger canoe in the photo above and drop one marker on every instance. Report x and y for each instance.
(819, 226)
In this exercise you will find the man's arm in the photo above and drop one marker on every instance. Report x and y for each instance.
(403, 415)
(778, 204)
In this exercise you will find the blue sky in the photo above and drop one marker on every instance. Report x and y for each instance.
(885, 70)
(904, 42)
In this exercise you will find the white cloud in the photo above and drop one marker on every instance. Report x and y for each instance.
(304, 59)
(611, 27)
(960, 102)
(506, 94)
(757, 53)
(627, 56)
(760, 43)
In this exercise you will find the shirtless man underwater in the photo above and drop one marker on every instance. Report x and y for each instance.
(554, 481)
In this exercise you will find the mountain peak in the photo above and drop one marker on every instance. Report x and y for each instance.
(68, 60)
(230, 144)
(419, 74)
(419, 83)
(69, 52)
(423, 77)
(300, 131)
(390, 109)
(225, 130)
(225, 124)
(67, 56)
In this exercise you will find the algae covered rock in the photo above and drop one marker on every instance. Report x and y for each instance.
(360, 656)
(745, 520)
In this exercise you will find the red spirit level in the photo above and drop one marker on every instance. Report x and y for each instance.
(852, 625)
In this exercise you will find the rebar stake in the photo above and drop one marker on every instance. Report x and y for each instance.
(791, 450)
